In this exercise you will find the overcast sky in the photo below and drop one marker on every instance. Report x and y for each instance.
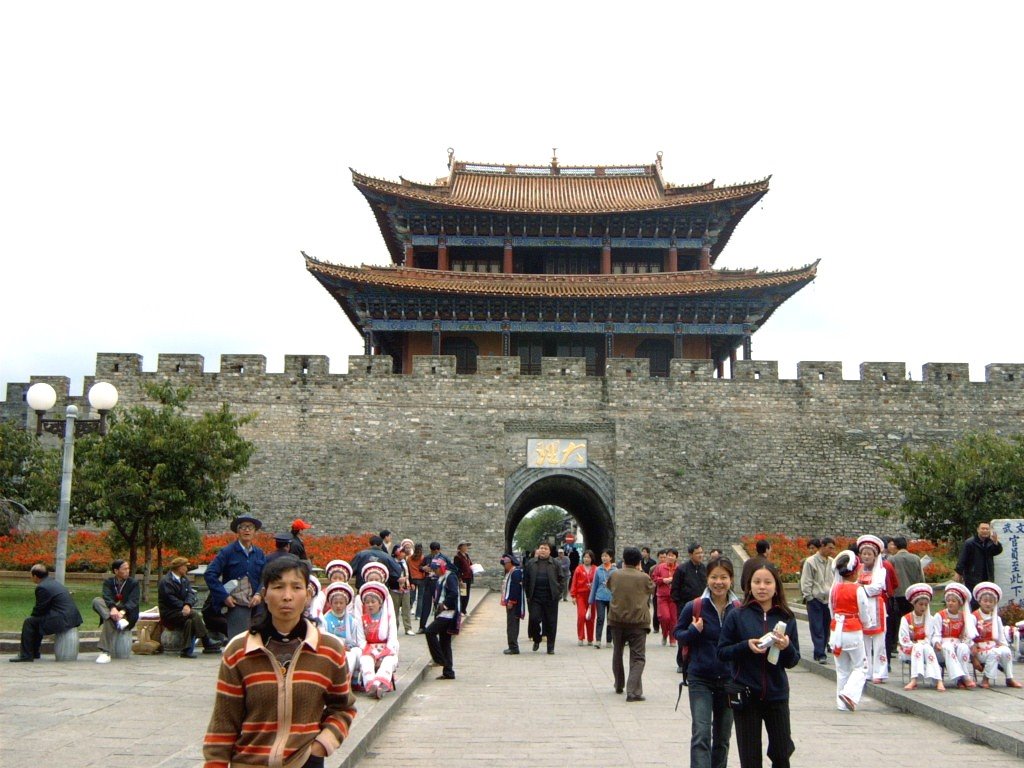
(162, 165)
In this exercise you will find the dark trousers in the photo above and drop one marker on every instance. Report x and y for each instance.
(819, 617)
(425, 597)
(464, 599)
(775, 716)
(512, 627)
(191, 626)
(34, 629)
(654, 612)
(893, 611)
(636, 639)
(439, 641)
(543, 621)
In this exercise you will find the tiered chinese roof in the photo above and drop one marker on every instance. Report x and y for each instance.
(429, 281)
(497, 201)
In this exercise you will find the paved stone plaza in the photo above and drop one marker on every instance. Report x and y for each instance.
(151, 712)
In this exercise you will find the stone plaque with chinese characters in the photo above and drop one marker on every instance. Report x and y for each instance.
(558, 452)
(1009, 575)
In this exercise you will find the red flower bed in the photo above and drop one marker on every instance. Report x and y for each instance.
(90, 552)
(788, 553)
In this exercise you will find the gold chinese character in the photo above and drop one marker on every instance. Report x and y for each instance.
(574, 450)
(547, 453)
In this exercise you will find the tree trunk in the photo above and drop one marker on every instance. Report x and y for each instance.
(146, 567)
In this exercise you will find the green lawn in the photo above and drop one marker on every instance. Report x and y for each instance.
(17, 596)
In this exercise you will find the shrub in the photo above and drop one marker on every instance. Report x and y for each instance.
(91, 551)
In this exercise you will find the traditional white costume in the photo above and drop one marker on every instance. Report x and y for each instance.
(914, 639)
(380, 653)
(347, 627)
(953, 633)
(991, 644)
(849, 605)
(873, 581)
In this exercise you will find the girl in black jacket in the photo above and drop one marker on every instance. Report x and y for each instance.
(765, 684)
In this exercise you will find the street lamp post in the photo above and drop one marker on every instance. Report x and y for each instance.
(41, 398)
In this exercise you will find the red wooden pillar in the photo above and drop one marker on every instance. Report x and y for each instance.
(672, 260)
(705, 257)
(410, 255)
(442, 255)
(606, 259)
(506, 265)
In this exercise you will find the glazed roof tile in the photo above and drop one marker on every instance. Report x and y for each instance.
(431, 281)
(556, 189)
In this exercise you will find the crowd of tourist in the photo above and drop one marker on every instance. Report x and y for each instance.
(275, 624)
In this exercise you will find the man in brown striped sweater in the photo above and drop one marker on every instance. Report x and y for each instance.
(283, 696)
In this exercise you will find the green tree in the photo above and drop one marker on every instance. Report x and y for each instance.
(29, 473)
(158, 471)
(948, 490)
(539, 524)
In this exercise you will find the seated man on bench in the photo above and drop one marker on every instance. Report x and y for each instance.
(54, 612)
(177, 602)
(118, 609)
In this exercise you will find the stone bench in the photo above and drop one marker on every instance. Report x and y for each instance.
(65, 645)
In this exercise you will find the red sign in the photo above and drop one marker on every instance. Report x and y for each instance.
(570, 538)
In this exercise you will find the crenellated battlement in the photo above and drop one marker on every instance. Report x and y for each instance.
(310, 368)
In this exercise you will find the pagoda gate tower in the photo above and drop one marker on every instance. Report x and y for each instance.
(591, 262)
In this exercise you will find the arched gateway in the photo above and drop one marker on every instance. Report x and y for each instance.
(588, 494)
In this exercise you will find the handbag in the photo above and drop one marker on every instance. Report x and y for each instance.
(739, 695)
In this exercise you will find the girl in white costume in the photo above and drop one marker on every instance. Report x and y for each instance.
(343, 624)
(990, 645)
(952, 632)
(380, 654)
(849, 605)
(914, 639)
(315, 609)
(872, 578)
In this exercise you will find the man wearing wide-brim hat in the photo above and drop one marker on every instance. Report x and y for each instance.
(234, 575)
(176, 599)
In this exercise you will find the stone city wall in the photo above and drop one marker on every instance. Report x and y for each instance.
(691, 456)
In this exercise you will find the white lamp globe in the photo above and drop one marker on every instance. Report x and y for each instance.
(102, 396)
(41, 397)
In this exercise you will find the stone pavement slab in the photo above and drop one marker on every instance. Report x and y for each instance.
(529, 709)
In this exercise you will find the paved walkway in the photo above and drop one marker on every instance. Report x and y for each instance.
(525, 710)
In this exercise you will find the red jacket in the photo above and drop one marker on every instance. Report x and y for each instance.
(582, 578)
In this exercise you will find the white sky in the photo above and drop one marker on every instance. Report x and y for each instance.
(162, 165)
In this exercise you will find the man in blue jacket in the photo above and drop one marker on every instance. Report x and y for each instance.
(238, 566)
(54, 612)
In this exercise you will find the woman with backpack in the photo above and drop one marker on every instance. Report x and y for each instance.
(697, 631)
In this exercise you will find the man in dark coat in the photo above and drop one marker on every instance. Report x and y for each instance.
(176, 599)
(542, 583)
(54, 612)
(118, 608)
(239, 564)
(374, 554)
(977, 559)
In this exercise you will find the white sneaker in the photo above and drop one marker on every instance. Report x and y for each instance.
(409, 632)
(122, 624)
(103, 658)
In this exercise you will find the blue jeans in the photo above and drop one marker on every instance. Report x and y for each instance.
(711, 723)
(602, 609)
(819, 617)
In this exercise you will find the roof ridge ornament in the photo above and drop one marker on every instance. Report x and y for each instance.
(659, 155)
(451, 157)
(554, 157)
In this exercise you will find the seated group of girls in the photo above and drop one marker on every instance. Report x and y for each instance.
(365, 622)
(961, 639)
